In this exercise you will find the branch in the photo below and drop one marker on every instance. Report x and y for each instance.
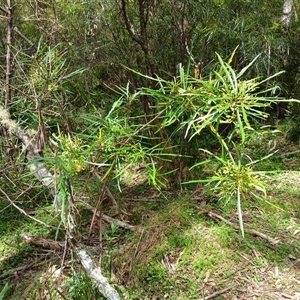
(23, 211)
(236, 227)
(96, 275)
(287, 13)
(143, 24)
(4, 9)
(31, 150)
(92, 271)
(216, 294)
(44, 243)
(109, 219)
(129, 26)
(24, 37)
(16, 30)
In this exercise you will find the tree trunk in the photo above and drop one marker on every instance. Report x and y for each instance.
(287, 13)
(8, 54)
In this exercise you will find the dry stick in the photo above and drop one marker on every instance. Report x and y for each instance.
(109, 194)
(145, 125)
(100, 200)
(251, 231)
(216, 294)
(109, 219)
(22, 268)
(136, 250)
(111, 197)
(41, 242)
(23, 211)
(26, 39)
(122, 224)
(64, 255)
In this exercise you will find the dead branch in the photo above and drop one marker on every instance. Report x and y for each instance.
(216, 294)
(23, 211)
(122, 224)
(13, 271)
(96, 275)
(31, 150)
(108, 193)
(287, 13)
(111, 197)
(109, 219)
(16, 30)
(26, 39)
(217, 217)
(42, 242)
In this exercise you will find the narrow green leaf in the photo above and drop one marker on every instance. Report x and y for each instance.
(241, 126)
(241, 73)
(239, 208)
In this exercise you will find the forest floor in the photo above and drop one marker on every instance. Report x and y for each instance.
(185, 246)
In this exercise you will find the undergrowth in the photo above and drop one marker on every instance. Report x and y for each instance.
(178, 248)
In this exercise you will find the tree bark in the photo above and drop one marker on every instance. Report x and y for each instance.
(9, 36)
(96, 275)
(287, 13)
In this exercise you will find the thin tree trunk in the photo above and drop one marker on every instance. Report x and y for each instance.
(287, 13)
(8, 54)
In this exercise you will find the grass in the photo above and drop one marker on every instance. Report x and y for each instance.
(180, 253)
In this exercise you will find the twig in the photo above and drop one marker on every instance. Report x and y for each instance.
(250, 231)
(109, 219)
(138, 244)
(108, 193)
(23, 211)
(122, 224)
(144, 126)
(216, 294)
(99, 202)
(17, 31)
(111, 197)
(64, 255)
(22, 268)
(26, 39)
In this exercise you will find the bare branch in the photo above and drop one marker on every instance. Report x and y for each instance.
(3, 9)
(22, 210)
(251, 231)
(24, 37)
(96, 275)
(109, 219)
(216, 294)
(130, 28)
